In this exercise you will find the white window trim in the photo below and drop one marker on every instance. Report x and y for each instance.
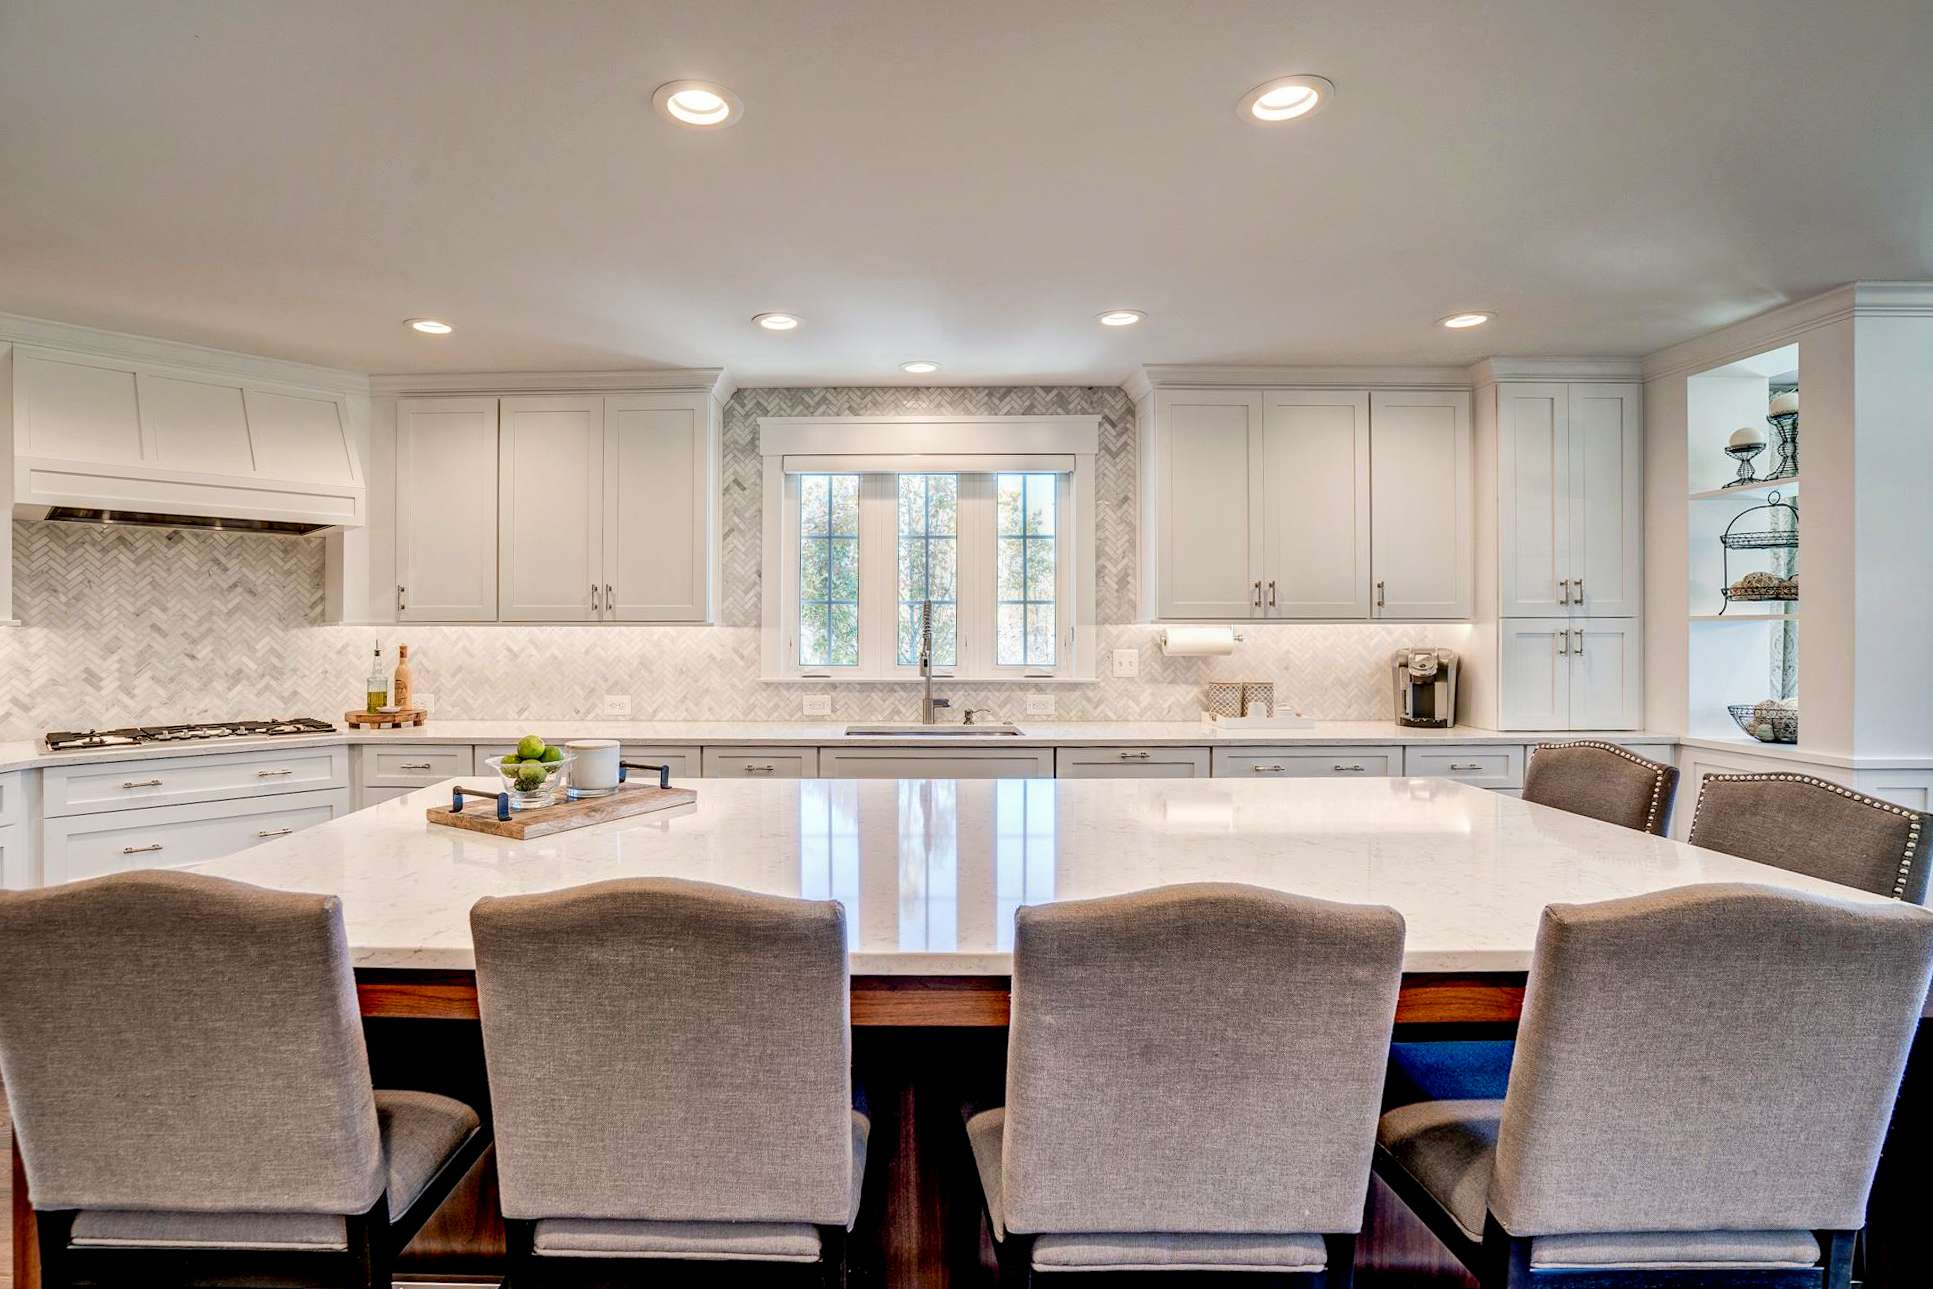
(953, 444)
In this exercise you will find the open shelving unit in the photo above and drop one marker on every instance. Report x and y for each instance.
(1742, 651)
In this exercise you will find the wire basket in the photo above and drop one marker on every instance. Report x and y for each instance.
(1768, 722)
(1771, 526)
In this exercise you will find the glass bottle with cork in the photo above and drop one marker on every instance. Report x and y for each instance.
(378, 687)
(400, 692)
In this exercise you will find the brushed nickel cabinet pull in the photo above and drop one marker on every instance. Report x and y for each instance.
(402, 598)
(760, 769)
(417, 765)
(1348, 769)
(1579, 582)
(141, 783)
(1135, 756)
(1466, 765)
(140, 850)
(1271, 593)
(1563, 642)
(610, 601)
(272, 774)
(274, 832)
(1382, 599)
(1267, 769)
(594, 605)
(1579, 651)
(1257, 600)
(1563, 590)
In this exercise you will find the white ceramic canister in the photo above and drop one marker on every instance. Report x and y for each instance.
(593, 766)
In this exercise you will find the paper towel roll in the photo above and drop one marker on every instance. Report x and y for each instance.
(1197, 642)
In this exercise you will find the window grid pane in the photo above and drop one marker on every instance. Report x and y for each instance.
(929, 507)
(1025, 572)
(829, 570)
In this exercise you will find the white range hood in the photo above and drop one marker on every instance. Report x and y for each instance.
(100, 439)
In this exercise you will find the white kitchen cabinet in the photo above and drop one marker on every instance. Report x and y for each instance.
(761, 762)
(167, 781)
(658, 497)
(1420, 488)
(117, 841)
(1316, 510)
(411, 766)
(1570, 499)
(1304, 762)
(76, 408)
(1131, 763)
(1206, 492)
(446, 510)
(1570, 674)
(195, 425)
(1481, 765)
(16, 859)
(936, 763)
(550, 509)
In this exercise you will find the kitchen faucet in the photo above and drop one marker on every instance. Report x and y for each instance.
(928, 703)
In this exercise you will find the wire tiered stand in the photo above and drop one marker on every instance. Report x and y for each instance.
(1776, 529)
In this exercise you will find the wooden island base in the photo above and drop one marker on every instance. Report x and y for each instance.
(924, 1049)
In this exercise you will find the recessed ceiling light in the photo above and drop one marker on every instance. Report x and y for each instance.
(777, 321)
(1120, 317)
(699, 103)
(919, 366)
(1458, 321)
(1287, 98)
(430, 326)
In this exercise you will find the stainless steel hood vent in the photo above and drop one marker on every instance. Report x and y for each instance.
(89, 515)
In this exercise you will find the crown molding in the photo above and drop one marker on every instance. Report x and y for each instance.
(1164, 376)
(715, 381)
(1785, 324)
(179, 356)
(1489, 371)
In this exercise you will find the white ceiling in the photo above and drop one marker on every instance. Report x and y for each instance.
(964, 181)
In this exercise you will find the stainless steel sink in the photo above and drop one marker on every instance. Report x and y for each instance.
(933, 731)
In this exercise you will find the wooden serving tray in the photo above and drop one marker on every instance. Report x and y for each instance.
(385, 720)
(629, 799)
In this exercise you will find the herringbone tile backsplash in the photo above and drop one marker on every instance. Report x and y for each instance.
(128, 625)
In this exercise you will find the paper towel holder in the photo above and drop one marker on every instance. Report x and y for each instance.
(1234, 636)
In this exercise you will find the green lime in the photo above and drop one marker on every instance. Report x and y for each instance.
(530, 747)
(531, 775)
(510, 760)
(553, 754)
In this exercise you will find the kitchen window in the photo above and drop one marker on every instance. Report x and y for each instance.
(999, 542)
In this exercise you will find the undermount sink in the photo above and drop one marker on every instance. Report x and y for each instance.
(933, 731)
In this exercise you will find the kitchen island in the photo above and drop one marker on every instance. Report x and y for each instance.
(930, 872)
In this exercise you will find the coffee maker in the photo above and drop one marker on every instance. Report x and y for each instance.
(1425, 687)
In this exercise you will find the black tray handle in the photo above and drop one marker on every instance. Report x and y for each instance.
(458, 792)
(663, 771)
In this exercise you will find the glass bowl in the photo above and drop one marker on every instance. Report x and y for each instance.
(545, 793)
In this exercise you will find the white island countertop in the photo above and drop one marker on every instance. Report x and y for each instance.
(931, 870)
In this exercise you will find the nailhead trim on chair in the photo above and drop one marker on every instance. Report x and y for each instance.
(1913, 822)
(1657, 777)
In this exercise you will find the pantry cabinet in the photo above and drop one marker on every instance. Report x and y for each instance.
(1267, 504)
(446, 510)
(1570, 499)
(1570, 674)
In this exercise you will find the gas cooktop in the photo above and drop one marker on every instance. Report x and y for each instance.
(70, 741)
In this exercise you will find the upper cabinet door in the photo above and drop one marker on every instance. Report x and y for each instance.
(1535, 509)
(1209, 502)
(195, 425)
(550, 532)
(1607, 674)
(75, 411)
(1607, 501)
(1316, 504)
(1420, 480)
(446, 510)
(657, 507)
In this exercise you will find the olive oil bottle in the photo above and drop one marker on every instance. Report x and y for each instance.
(378, 682)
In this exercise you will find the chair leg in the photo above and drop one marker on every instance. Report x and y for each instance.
(520, 1265)
(54, 1231)
(1838, 1247)
(1506, 1258)
(370, 1255)
(1016, 1254)
(1340, 1269)
(832, 1257)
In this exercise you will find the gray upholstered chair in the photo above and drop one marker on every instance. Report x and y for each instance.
(1604, 781)
(671, 1071)
(1811, 826)
(185, 1063)
(1703, 1079)
(1193, 1075)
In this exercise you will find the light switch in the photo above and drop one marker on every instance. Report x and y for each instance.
(816, 705)
(1040, 704)
(1127, 662)
(617, 707)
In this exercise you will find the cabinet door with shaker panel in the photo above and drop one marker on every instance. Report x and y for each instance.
(1420, 484)
(1207, 495)
(446, 510)
(1570, 499)
(550, 556)
(658, 490)
(1570, 674)
(1316, 518)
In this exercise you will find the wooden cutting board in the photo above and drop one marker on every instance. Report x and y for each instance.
(630, 799)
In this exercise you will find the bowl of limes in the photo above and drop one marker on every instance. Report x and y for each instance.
(534, 774)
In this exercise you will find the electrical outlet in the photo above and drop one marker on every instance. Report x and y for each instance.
(1040, 704)
(816, 705)
(617, 707)
(1127, 662)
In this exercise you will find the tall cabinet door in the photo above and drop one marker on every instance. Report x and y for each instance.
(1534, 666)
(1315, 452)
(551, 510)
(1420, 480)
(1607, 499)
(446, 510)
(1209, 503)
(657, 507)
(1607, 674)
(1535, 510)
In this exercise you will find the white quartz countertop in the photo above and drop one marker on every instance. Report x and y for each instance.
(28, 755)
(931, 871)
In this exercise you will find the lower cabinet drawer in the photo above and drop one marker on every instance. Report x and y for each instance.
(13, 808)
(936, 763)
(761, 763)
(116, 841)
(1308, 762)
(174, 780)
(413, 765)
(1131, 763)
(16, 859)
(1481, 765)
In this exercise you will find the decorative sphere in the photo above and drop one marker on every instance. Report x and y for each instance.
(1747, 438)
